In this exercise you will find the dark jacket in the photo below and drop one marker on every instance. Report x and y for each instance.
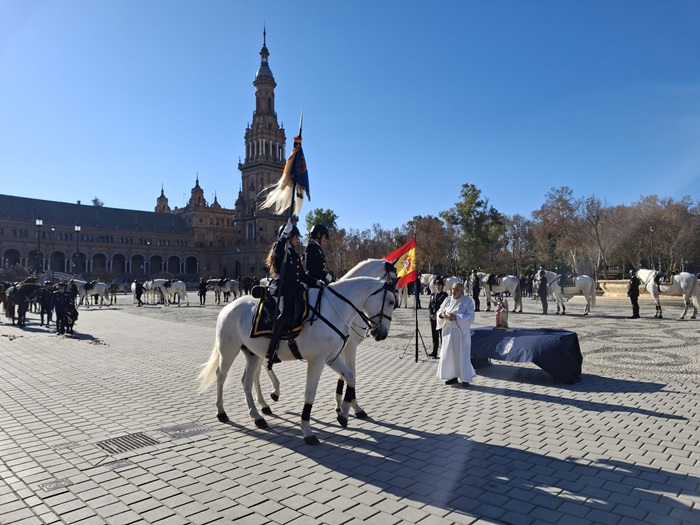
(293, 275)
(315, 261)
(634, 287)
(436, 301)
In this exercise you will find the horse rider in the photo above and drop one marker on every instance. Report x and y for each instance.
(633, 293)
(476, 289)
(436, 299)
(314, 257)
(288, 275)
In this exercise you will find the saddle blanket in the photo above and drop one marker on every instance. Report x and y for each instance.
(265, 314)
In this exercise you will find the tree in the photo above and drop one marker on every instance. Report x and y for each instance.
(480, 228)
(318, 215)
(97, 202)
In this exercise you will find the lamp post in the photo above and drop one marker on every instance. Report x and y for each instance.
(77, 248)
(651, 255)
(39, 224)
(147, 269)
(53, 248)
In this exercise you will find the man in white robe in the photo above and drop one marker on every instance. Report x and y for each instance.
(455, 317)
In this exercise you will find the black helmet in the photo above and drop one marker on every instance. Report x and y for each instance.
(318, 230)
(633, 272)
(295, 231)
(439, 281)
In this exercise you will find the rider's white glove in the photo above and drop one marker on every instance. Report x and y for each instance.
(329, 278)
(288, 227)
(320, 283)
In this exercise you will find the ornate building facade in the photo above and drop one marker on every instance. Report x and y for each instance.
(197, 240)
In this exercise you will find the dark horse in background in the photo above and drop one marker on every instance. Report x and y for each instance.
(18, 298)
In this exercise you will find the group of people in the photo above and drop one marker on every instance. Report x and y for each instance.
(289, 276)
(58, 301)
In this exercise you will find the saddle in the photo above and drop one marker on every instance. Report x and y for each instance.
(665, 278)
(265, 314)
(90, 285)
(567, 280)
(168, 283)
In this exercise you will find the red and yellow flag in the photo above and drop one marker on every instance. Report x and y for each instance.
(404, 259)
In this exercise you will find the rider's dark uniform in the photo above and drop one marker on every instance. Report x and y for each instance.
(316, 262)
(289, 276)
(62, 300)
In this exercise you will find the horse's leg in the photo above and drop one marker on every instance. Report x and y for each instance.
(187, 299)
(344, 370)
(275, 394)
(314, 368)
(251, 372)
(350, 356)
(686, 304)
(258, 393)
(227, 354)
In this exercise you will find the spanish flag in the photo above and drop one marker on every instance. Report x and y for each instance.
(404, 259)
(294, 176)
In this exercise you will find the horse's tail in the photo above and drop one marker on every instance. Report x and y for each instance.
(594, 287)
(518, 296)
(208, 374)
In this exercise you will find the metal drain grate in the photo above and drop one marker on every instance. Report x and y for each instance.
(126, 443)
(185, 430)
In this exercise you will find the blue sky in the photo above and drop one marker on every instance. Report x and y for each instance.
(403, 101)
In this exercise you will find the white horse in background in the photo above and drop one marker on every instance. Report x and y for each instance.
(583, 285)
(684, 284)
(427, 280)
(225, 286)
(342, 305)
(450, 282)
(97, 288)
(174, 287)
(507, 283)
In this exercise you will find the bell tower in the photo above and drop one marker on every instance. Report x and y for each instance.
(265, 143)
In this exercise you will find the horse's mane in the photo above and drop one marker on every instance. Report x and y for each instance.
(359, 266)
(29, 280)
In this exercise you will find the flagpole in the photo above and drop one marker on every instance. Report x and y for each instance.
(415, 288)
(294, 186)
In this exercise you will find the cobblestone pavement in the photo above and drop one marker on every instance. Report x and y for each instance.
(106, 427)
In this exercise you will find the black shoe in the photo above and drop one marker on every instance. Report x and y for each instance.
(452, 381)
(434, 356)
(465, 384)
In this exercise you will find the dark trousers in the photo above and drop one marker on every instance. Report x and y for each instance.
(635, 306)
(437, 336)
(284, 320)
(60, 319)
(543, 298)
(477, 303)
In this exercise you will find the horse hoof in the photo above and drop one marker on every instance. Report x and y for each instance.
(311, 440)
(361, 415)
(221, 416)
(661, 316)
(275, 397)
(261, 423)
(267, 411)
(337, 411)
(343, 421)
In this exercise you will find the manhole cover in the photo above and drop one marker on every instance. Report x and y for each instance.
(126, 443)
(55, 484)
(185, 430)
(68, 445)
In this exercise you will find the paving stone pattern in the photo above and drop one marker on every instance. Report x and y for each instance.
(620, 447)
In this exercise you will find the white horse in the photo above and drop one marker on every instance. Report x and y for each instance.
(169, 291)
(377, 268)
(226, 286)
(319, 343)
(427, 280)
(683, 283)
(507, 283)
(450, 282)
(99, 289)
(582, 285)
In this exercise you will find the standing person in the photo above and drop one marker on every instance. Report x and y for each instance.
(633, 293)
(416, 291)
(202, 292)
(314, 257)
(455, 317)
(138, 290)
(436, 300)
(476, 290)
(61, 300)
(542, 291)
(288, 275)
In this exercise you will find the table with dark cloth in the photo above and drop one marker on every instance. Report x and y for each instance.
(554, 351)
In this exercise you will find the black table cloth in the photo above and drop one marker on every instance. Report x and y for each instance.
(554, 351)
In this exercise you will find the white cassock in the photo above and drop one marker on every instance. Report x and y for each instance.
(456, 352)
